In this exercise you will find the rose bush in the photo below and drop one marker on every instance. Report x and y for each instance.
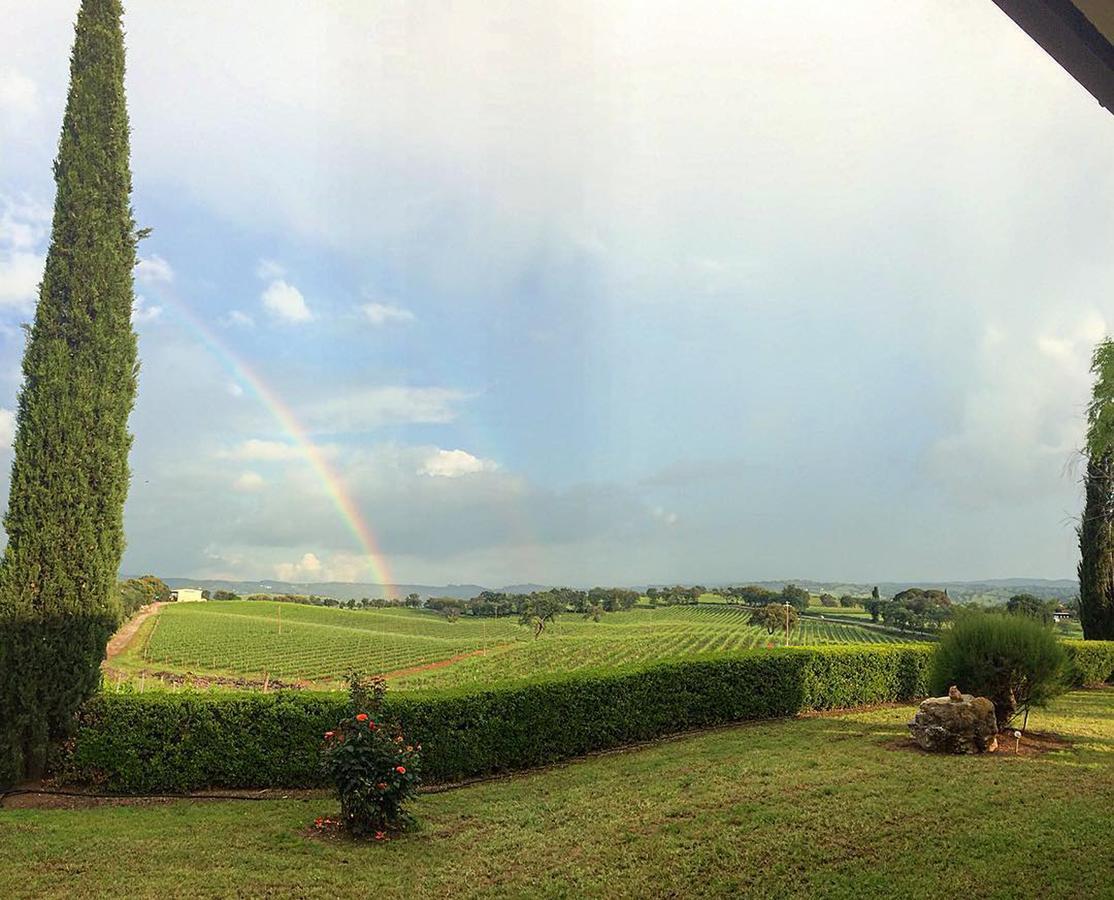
(372, 766)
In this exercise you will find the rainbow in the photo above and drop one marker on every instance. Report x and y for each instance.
(331, 481)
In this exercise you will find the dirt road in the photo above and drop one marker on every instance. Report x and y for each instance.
(122, 638)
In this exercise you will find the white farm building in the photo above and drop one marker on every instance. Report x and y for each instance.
(187, 595)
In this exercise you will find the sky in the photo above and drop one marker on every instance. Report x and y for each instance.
(494, 292)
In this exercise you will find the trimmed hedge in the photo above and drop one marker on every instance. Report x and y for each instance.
(1092, 662)
(48, 668)
(159, 741)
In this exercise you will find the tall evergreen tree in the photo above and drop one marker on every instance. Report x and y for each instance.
(70, 474)
(64, 522)
(1096, 530)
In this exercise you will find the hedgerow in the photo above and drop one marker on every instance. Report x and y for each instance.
(160, 741)
(47, 668)
(1092, 662)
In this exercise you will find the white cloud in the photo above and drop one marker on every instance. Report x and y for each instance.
(20, 274)
(308, 568)
(24, 228)
(248, 481)
(236, 318)
(269, 270)
(285, 302)
(454, 463)
(24, 224)
(18, 93)
(359, 410)
(664, 515)
(265, 451)
(7, 427)
(235, 390)
(153, 269)
(1021, 417)
(382, 313)
(142, 311)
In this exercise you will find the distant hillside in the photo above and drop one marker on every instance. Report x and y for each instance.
(340, 590)
(993, 590)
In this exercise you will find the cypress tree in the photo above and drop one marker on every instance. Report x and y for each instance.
(70, 473)
(64, 522)
(1096, 530)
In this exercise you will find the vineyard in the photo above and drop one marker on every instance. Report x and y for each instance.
(258, 641)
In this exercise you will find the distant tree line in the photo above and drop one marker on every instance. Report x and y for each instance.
(135, 593)
(750, 595)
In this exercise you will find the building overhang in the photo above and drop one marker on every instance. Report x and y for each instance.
(1078, 34)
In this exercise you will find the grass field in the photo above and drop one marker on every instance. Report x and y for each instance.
(812, 807)
(318, 645)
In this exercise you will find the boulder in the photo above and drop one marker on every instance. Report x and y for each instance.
(958, 723)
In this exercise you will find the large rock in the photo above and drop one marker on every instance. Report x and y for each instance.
(958, 723)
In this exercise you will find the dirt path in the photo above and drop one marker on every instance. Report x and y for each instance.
(441, 663)
(120, 640)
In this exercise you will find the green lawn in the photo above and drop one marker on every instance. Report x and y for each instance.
(814, 807)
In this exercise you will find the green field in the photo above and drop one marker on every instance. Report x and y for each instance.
(811, 807)
(245, 639)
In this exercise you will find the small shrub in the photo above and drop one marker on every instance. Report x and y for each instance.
(1014, 661)
(828, 600)
(372, 767)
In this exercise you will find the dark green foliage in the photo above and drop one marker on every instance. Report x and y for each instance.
(797, 597)
(1096, 550)
(1033, 607)
(828, 600)
(914, 609)
(751, 594)
(181, 741)
(678, 595)
(1014, 661)
(542, 608)
(47, 668)
(372, 767)
(847, 601)
(70, 474)
(774, 617)
(139, 592)
(1096, 529)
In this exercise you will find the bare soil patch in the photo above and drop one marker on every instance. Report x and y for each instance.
(45, 795)
(439, 664)
(1032, 743)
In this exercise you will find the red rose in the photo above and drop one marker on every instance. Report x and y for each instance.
(328, 734)
(382, 785)
(401, 770)
(362, 717)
